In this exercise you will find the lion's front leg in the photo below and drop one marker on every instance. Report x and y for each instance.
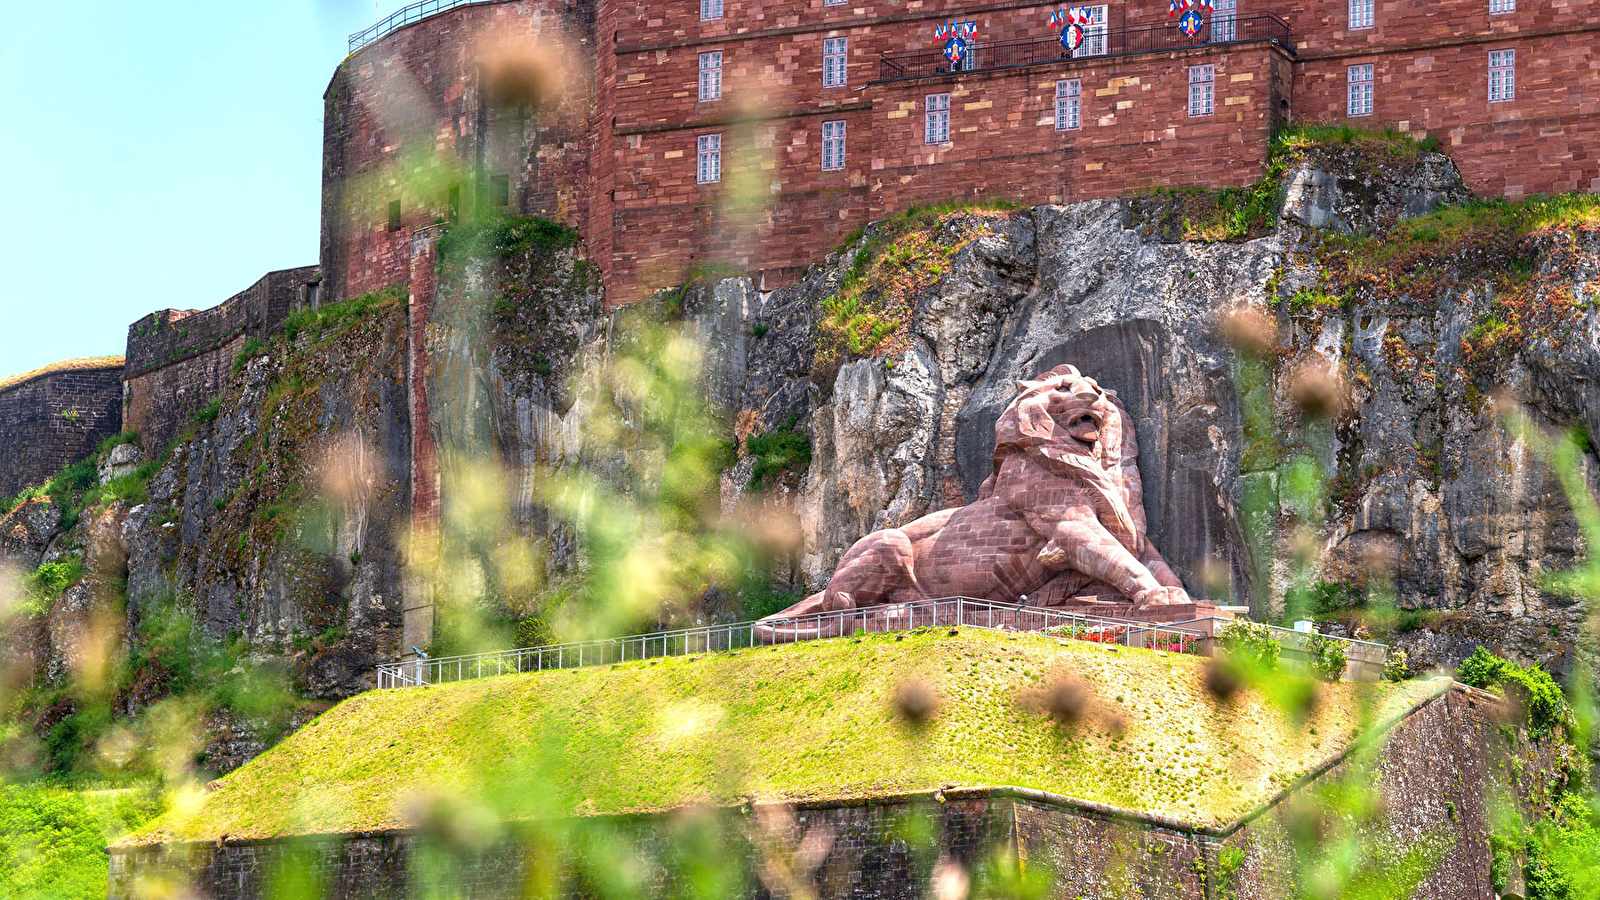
(1089, 548)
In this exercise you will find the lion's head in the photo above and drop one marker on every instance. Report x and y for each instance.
(1065, 415)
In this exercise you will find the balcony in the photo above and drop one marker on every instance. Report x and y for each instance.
(1111, 42)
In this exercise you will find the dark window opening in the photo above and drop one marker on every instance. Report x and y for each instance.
(499, 191)
(394, 215)
(454, 203)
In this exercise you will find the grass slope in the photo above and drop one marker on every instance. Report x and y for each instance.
(66, 365)
(807, 721)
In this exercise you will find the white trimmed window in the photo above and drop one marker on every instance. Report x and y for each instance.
(834, 2)
(835, 57)
(1502, 75)
(708, 159)
(1225, 21)
(833, 145)
(1496, 7)
(1069, 97)
(1202, 90)
(710, 9)
(1094, 33)
(1358, 90)
(1361, 13)
(936, 119)
(711, 75)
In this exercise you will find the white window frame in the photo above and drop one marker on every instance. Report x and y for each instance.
(1501, 7)
(936, 119)
(1362, 14)
(711, 75)
(1202, 90)
(710, 10)
(708, 159)
(835, 61)
(1069, 104)
(833, 145)
(1095, 33)
(834, 2)
(1502, 75)
(1358, 89)
(1225, 21)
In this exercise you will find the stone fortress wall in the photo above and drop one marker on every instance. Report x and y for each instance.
(1438, 772)
(55, 416)
(179, 359)
(627, 177)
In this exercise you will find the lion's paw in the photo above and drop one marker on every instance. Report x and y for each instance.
(1161, 596)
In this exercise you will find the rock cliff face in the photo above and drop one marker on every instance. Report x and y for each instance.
(280, 518)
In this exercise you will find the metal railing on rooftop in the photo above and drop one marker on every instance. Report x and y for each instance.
(416, 12)
(1111, 42)
(1187, 636)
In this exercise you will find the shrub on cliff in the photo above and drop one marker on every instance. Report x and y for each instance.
(1532, 686)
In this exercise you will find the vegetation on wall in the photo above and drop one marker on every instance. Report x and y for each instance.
(776, 452)
(1532, 686)
(890, 269)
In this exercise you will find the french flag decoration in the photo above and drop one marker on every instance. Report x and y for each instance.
(1176, 7)
(1071, 21)
(955, 36)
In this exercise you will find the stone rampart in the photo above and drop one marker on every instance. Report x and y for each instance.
(179, 359)
(1438, 772)
(55, 416)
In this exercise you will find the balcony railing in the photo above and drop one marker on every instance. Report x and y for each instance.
(1111, 42)
(416, 12)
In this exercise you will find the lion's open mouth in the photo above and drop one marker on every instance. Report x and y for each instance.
(1085, 429)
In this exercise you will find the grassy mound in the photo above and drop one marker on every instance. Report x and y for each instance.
(807, 721)
(66, 365)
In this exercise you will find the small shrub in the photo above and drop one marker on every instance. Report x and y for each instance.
(1546, 705)
(1326, 657)
(776, 452)
(1250, 644)
(117, 440)
(207, 414)
(1396, 666)
(252, 348)
(43, 585)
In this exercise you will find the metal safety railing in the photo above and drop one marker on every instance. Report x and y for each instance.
(1099, 44)
(416, 12)
(1192, 636)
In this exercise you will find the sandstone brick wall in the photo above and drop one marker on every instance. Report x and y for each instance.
(617, 158)
(55, 419)
(180, 359)
(437, 111)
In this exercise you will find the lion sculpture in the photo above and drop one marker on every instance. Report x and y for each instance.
(1060, 516)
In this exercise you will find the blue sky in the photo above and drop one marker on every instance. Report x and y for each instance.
(155, 154)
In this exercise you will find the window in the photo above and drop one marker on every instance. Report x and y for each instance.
(708, 159)
(711, 75)
(1225, 21)
(834, 2)
(1202, 90)
(1360, 13)
(1497, 7)
(1094, 34)
(710, 9)
(499, 191)
(835, 53)
(1359, 90)
(1502, 75)
(833, 146)
(394, 215)
(936, 119)
(1069, 94)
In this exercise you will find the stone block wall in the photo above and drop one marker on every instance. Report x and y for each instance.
(55, 417)
(179, 359)
(482, 107)
(1437, 773)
